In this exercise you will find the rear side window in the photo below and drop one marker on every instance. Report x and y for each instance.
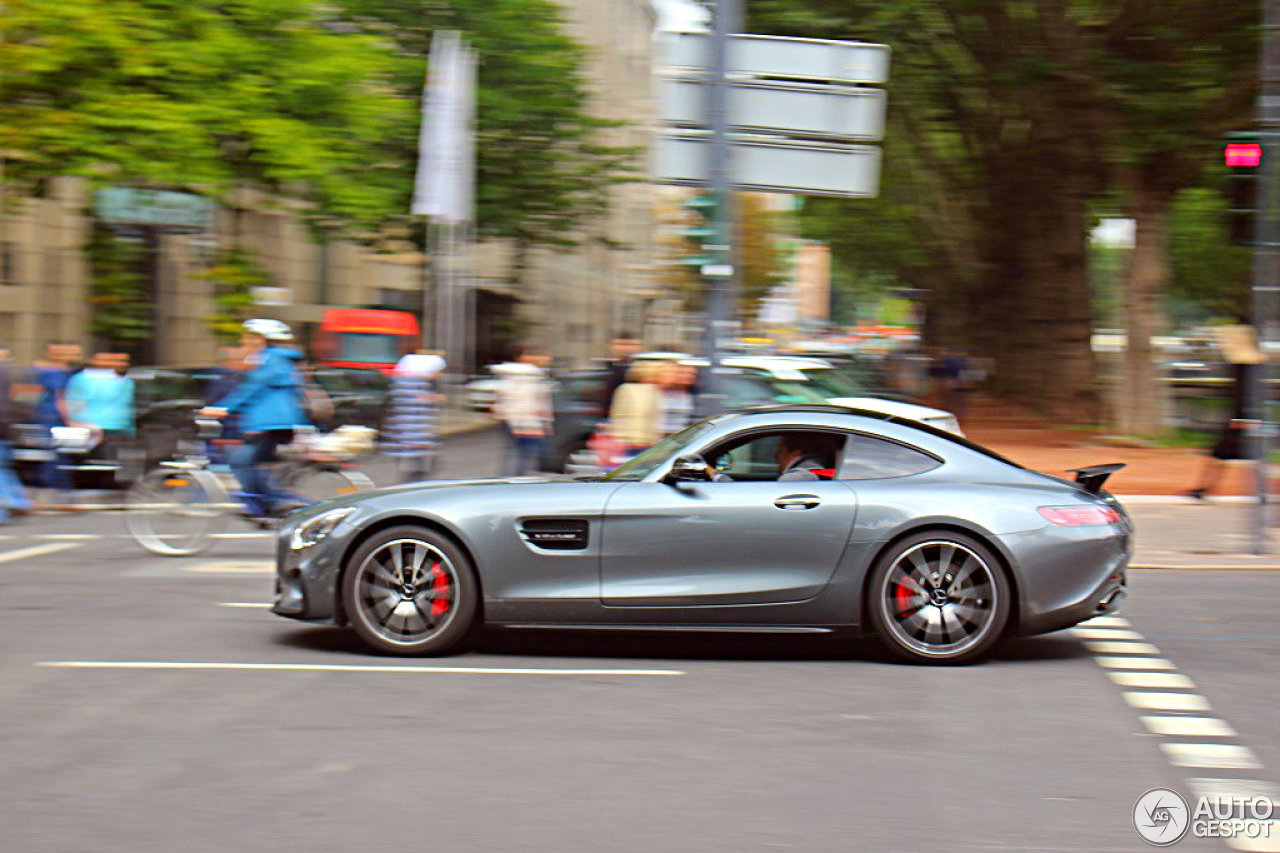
(868, 458)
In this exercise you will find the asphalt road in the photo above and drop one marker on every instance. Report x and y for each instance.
(700, 744)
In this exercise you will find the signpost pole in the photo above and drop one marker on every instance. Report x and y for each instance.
(719, 274)
(1266, 259)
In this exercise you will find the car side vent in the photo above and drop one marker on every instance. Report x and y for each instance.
(555, 534)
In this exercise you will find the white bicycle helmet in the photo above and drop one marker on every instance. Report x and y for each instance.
(272, 330)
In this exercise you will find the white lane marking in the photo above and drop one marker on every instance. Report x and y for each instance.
(248, 605)
(1157, 680)
(1188, 727)
(234, 567)
(1134, 663)
(68, 536)
(1230, 788)
(1121, 648)
(334, 667)
(1106, 634)
(1106, 622)
(36, 551)
(258, 535)
(1228, 755)
(1167, 701)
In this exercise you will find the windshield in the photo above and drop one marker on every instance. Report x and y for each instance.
(639, 467)
(834, 383)
(365, 348)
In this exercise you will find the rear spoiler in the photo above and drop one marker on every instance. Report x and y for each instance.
(1092, 477)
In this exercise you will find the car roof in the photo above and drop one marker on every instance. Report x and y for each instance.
(870, 414)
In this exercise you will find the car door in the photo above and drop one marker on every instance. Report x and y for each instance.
(746, 541)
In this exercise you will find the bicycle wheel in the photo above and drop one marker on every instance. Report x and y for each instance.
(175, 512)
(318, 482)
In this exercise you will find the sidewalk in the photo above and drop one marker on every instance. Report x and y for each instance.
(462, 421)
(1151, 470)
(1199, 536)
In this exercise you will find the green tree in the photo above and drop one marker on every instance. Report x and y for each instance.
(209, 94)
(234, 275)
(121, 315)
(544, 164)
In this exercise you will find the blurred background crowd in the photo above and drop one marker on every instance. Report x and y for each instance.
(1057, 235)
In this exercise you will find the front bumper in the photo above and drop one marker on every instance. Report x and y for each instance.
(306, 580)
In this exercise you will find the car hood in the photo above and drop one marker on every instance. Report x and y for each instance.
(372, 495)
(895, 408)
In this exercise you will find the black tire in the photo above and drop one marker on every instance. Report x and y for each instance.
(939, 597)
(378, 609)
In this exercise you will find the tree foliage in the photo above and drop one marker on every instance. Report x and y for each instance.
(234, 275)
(204, 93)
(120, 311)
(544, 163)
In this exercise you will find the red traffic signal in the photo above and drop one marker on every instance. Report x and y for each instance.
(1243, 155)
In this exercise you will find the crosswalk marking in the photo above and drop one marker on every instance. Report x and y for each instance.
(1158, 680)
(1134, 663)
(1167, 701)
(1188, 726)
(1125, 648)
(1224, 755)
(1105, 634)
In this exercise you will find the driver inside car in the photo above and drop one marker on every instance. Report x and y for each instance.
(799, 455)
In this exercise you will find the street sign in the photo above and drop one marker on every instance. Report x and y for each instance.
(838, 112)
(162, 208)
(791, 58)
(765, 165)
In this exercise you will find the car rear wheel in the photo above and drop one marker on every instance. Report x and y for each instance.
(410, 591)
(939, 597)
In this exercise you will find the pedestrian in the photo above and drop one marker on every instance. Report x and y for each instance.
(269, 402)
(101, 397)
(13, 498)
(50, 376)
(622, 349)
(637, 409)
(1239, 346)
(410, 434)
(522, 404)
(677, 400)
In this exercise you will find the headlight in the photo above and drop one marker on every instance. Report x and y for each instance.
(314, 530)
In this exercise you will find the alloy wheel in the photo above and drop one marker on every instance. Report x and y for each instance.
(940, 599)
(407, 591)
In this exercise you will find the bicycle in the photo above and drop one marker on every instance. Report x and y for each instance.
(180, 508)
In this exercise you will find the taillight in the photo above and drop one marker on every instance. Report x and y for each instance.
(1079, 516)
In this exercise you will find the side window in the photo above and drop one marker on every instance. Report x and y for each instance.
(867, 458)
(755, 458)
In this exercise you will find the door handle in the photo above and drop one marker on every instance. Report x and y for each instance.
(797, 502)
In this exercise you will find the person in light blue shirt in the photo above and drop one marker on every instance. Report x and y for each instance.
(102, 397)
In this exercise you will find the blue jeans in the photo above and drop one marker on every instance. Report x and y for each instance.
(12, 495)
(249, 462)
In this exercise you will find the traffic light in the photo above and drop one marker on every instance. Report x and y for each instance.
(700, 228)
(1242, 156)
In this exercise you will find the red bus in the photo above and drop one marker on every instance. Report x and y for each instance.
(367, 338)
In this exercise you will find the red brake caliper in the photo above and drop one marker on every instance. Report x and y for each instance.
(902, 593)
(440, 586)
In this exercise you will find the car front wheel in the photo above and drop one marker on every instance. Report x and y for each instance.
(410, 591)
(939, 597)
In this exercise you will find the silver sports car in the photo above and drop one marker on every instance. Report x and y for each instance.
(792, 519)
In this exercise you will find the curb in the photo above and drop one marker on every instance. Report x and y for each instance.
(1158, 567)
(1183, 500)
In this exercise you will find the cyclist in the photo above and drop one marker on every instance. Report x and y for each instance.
(269, 403)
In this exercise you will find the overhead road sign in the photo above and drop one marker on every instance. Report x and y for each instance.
(770, 165)
(835, 112)
(790, 58)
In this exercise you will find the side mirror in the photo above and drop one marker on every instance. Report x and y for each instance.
(688, 469)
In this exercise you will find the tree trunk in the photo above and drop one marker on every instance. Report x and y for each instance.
(1142, 398)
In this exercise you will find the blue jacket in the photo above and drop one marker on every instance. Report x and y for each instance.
(270, 395)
